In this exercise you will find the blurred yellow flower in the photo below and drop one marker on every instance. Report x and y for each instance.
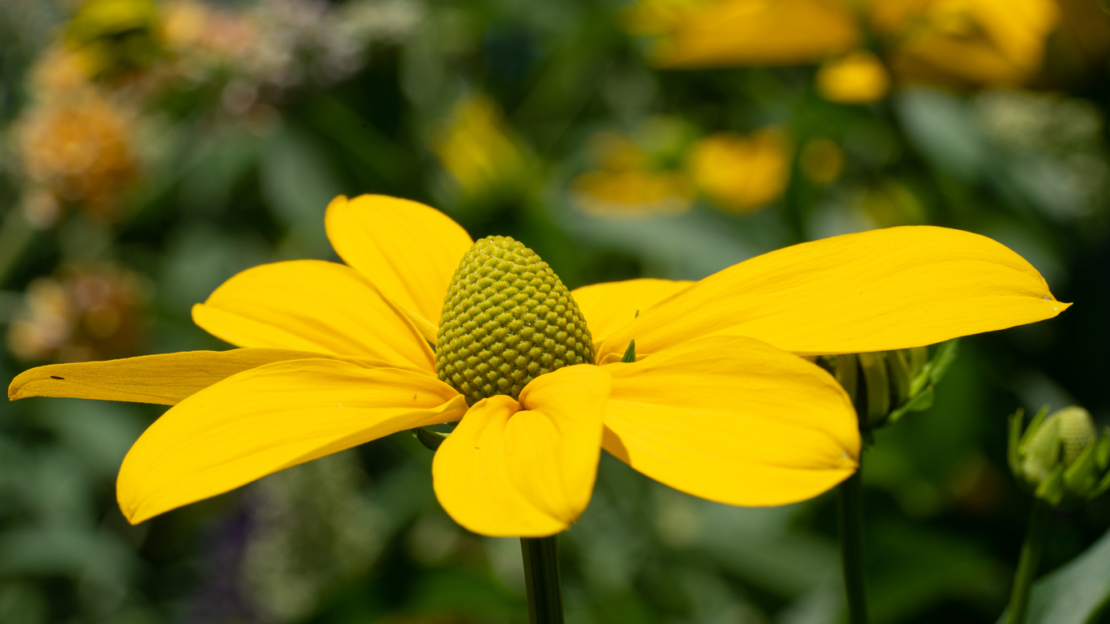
(742, 173)
(479, 150)
(114, 35)
(84, 313)
(716, 402)
(617, 193)
(856, 78)
(983, 42)
(630, 180)
(744, 32)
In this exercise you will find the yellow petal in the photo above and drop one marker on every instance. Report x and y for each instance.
(308, 305)
(270, 418)
(732, 420)
(407, 250)
(525, 469)
(757, 32)
(874, 291)
(607, 307)
(164, 379)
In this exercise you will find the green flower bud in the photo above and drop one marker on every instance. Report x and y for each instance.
(506, 320)
(1060, 457)
(886, 385)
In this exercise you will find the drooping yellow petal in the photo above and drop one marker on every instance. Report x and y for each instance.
(732, 420)
(525, 469)
(407, 250)
(316, 306)
(757, 32)
(164, 379)
(873, 291)
(270, 418)
(609, 306)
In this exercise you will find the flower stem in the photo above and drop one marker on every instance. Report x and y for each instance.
(1035, 537)
(851, 545)
(541, 577)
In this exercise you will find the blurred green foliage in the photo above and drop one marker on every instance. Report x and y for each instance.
(151, 151)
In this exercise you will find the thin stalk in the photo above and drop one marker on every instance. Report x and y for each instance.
(541, 577)
(1035, 537)
(851, 545)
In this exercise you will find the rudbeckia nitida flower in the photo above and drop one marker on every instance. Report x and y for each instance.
(717, 403)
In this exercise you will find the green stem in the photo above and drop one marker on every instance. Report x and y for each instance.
(851, 545)
(1035, 537)
(541, 577)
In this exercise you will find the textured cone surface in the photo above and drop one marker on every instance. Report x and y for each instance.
(507, 319)
(1071, 427)
(1077, 430)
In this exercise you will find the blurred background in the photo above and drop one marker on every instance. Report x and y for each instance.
(150, 150)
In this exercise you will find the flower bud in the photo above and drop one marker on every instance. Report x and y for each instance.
(886, 385)
(1060, 457)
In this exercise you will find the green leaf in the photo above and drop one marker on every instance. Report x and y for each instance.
(1075, 593)
(1051, 489)
(933, 371)
(945, 355)
(1080, 476)
(1034, 425)
(630, 353)
(1102, 450)
(919, 403)
(1101, 488)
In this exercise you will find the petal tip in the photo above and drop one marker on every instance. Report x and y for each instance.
(17, 389)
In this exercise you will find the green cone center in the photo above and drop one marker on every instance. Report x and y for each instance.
(507, 319)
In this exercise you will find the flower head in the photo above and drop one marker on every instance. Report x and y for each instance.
(1062, 457)
(715, 404)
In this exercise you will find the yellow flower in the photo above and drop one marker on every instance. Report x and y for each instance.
(742, 173)
(633, 193)
(114, 35)
(479, 150)
(857, 78)
(716, 405)
(996, 42)
(993, 42)
(746, 32)
(636, 176)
